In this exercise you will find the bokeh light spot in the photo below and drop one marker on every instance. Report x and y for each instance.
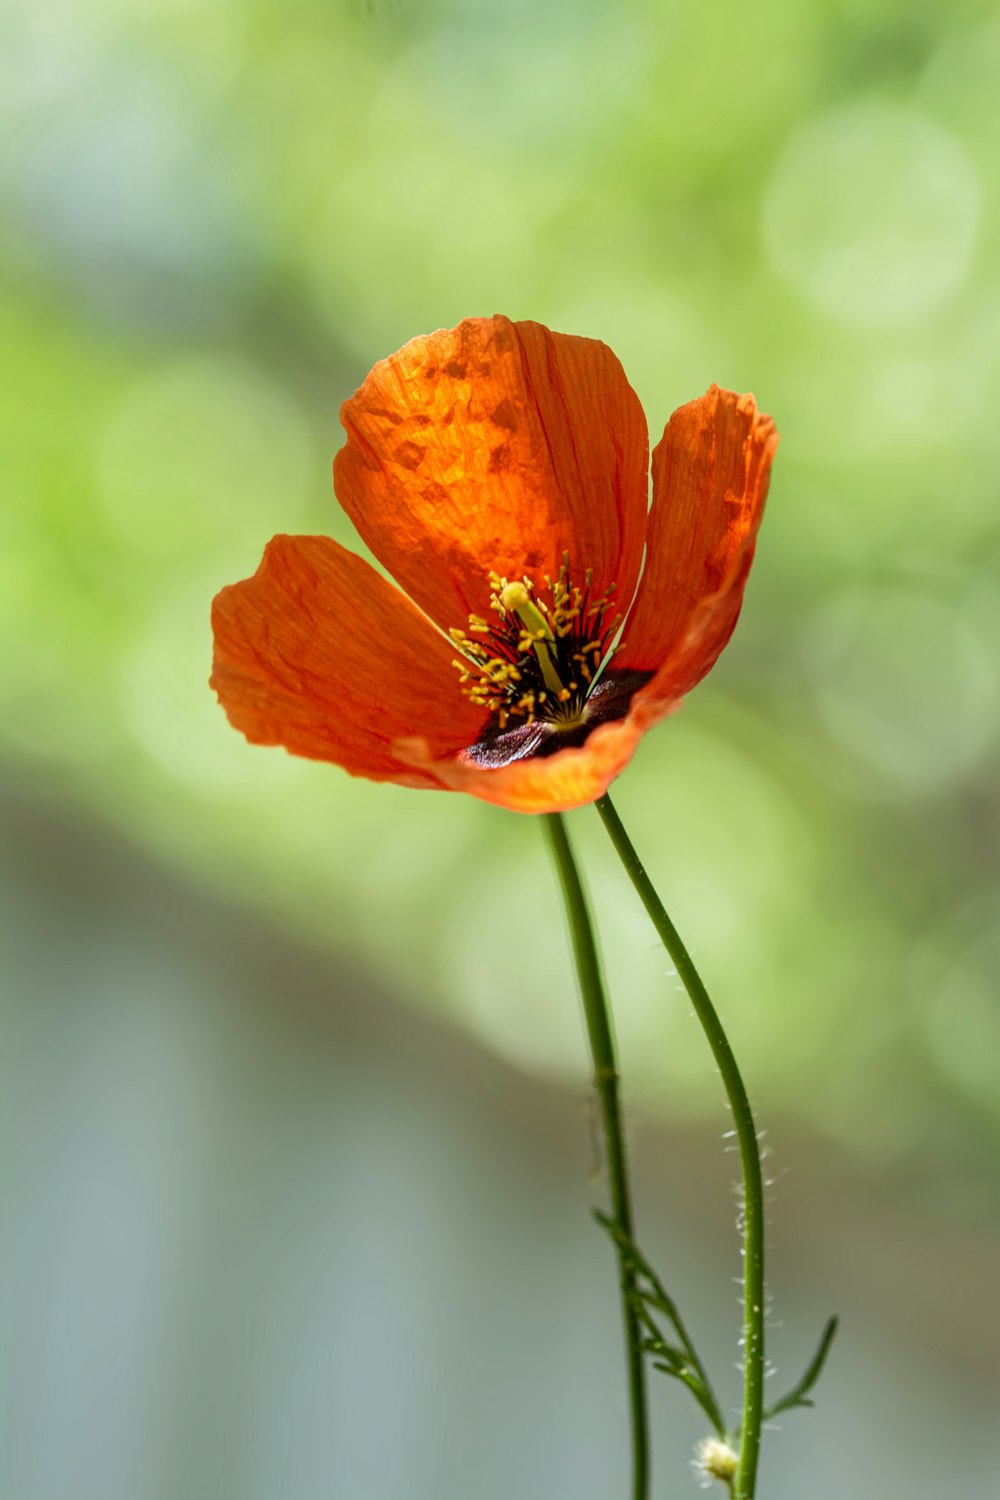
(905, 685)
(962, 1020)
(204, 458)
(871, 213)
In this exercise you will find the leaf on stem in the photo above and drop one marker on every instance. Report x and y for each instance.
(681, 1360)
(799, 1394)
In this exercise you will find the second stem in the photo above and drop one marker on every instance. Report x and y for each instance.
(746, 1134)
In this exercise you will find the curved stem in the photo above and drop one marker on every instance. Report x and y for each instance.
(746, 1135)
(602, 1050)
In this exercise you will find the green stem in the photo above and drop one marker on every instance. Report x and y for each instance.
(602, 1050)
(746, 1135)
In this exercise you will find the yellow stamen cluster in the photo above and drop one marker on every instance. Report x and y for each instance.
(540, 661)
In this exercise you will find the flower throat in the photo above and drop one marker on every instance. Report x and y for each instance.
(539, 659)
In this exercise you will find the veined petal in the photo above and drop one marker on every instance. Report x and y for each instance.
(317, 652)
(496, 446)
(710, 479)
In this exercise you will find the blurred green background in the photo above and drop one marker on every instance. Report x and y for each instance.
(293, 1063)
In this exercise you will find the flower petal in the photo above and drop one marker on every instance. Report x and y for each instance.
(710, 479)
(317, 652)
(496, 446)
(554, 783)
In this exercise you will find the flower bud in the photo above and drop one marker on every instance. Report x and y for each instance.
(714, 1459)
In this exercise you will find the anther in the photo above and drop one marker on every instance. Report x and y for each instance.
(541, 659)
(515, 598)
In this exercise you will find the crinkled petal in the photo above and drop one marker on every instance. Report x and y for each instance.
(496, 446)
(710, 478)
(317, 652)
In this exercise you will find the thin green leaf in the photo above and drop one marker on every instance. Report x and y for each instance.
(690, 1368)
(798, 1395)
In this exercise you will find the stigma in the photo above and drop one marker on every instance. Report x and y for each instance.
(537, 660)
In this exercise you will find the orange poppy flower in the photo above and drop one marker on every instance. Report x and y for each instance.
(500, 473)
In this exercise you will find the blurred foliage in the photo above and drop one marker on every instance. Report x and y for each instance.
(218, 215)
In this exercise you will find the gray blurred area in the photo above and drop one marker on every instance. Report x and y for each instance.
(269, 1232)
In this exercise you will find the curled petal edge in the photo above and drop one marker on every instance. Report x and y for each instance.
(709, 629)
(557, 783)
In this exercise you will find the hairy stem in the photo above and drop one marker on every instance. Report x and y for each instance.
(602, 1048)
(746, 1134)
